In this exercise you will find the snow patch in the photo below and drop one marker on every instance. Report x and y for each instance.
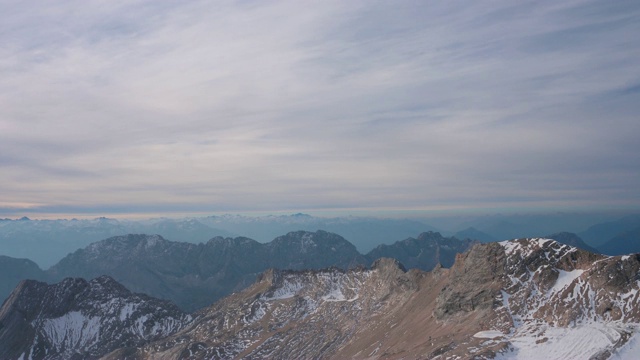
(630, 350)
(488, 334)
(565, 278)
(288, 290)
(73, 330)
(579, 342)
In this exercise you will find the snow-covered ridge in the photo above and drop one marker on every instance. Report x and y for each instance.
(526, 247)
(84, 319)
(562, 307)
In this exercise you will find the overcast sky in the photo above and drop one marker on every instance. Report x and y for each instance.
(120, 107)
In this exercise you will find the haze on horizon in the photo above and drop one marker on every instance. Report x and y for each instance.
(152, 107)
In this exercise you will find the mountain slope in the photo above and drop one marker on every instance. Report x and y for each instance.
(76, 319)
(598, 234)
(526, 299)
(424, 252)
(627, 242)
(572, 239)
(12, 271)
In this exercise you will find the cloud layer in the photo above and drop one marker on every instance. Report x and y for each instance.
(114, 106)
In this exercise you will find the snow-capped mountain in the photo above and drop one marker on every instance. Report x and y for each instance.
(527, 298)
(79, 319)
(521, 299)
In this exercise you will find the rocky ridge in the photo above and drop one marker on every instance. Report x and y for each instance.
(526, 298)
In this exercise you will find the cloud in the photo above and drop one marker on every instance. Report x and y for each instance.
(310, 105)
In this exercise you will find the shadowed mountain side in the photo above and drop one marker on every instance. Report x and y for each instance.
(599, 234)
(572, 239)
(13, 270)
(424, 252)
(625, 243)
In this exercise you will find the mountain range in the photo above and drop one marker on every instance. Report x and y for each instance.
(196, 275)
(528, 298)
(48, 241)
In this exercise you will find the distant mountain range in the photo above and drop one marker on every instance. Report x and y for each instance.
(196, 275)
(625, 243)
(48, 241)
(13, 270)
(424, 252)
(524, 298)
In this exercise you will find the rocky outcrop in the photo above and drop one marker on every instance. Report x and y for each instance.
(475, 281)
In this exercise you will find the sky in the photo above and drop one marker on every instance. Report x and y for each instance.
(130, 107)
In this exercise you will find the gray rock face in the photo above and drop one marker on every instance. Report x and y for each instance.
(79, 319)
(475, 281)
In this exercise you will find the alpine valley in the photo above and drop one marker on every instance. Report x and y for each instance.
(529, 298)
